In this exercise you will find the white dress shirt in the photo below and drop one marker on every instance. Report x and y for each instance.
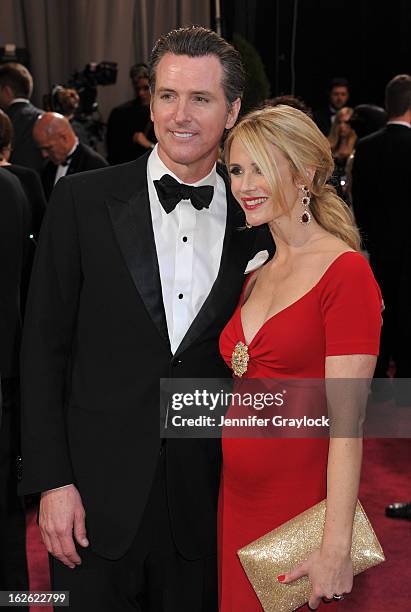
(62, 169)
(189, 245)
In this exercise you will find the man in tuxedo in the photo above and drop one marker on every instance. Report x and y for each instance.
(338, 94)
(139, 268)
(16, 87)
(13, 566)
(381, 187)
(58, 143)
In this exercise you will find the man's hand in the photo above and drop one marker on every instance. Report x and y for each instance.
(61, 514)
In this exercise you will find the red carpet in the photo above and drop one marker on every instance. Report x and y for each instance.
(386, 478)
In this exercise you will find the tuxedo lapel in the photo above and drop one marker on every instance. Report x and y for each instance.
(48, 177)
(131, 219)
(76, 162)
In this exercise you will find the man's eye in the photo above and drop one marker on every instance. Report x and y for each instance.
(201, 99)
(235, 170)
(165, 96)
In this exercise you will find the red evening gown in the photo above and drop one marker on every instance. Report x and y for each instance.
(266, 482)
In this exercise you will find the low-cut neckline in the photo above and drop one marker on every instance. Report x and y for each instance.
(276, 314)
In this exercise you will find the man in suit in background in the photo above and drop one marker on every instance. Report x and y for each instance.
(381, 187)
(13, 565)
(139, 268)
(16, 87)
(58, 143)
(129, 128)
(338, 95)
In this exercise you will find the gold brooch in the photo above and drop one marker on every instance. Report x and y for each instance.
(240, 359)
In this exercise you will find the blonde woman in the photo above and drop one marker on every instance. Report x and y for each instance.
(342, 139)
(313, 311)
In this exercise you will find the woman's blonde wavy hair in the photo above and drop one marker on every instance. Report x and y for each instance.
(305, 147)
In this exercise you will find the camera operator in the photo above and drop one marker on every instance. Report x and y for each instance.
(58, 143)
(130, 131)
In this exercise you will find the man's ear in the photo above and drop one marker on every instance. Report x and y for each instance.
(233, 113)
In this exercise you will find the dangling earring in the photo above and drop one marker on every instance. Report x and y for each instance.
(248, 226)
(305, 218)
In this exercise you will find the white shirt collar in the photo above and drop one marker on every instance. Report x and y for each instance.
(399, 123)
(25, 100)
(157, 169)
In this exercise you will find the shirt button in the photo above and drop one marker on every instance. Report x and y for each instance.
(185, 238)
(180, 296)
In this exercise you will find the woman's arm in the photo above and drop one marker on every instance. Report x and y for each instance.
(330, 567)
(344, 460)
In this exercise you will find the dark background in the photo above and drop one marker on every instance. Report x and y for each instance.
(366, 41)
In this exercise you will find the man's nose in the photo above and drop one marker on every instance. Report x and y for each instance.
(182, 114)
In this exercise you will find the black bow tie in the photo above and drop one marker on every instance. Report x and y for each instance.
(68, 158)
(170, 192)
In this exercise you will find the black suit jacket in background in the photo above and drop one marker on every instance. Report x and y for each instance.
(84, 158)
(36, 206)
(96, 326)
(123, 122)
(381, 189)
(13, 203)
(25, 151)
(33, 189)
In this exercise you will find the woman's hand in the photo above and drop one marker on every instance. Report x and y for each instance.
(330, 573)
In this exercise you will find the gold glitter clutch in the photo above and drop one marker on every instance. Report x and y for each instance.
(289, 545)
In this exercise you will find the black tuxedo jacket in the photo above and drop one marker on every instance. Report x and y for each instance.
(84, 158)
(25, 151)
(95, 346)
(36, 205)
(13, 204)
(381, 188)
(322, 117)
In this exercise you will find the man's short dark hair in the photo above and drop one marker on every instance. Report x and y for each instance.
(139, 71)
(338, 82)
(196, 41)
(289, 100)
(398, 95)
(18, 78)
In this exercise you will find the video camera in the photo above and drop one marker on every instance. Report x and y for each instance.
(79, 98)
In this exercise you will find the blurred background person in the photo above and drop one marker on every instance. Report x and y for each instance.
(365, 120)
(59, 144)
(13, 565)
(338, 96)
(289, 100)
(29, 179)
(342, 140)
(16, 88)
(381, 189)
(130, 131)
(34, 204)
(66, 101)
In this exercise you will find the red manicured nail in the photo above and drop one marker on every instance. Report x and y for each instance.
(281, 578)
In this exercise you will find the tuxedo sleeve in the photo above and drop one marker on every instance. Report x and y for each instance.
(47, 345)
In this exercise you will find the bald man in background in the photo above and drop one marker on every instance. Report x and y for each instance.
(58, 143)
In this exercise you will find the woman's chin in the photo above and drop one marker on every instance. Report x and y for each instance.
(257, 220)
